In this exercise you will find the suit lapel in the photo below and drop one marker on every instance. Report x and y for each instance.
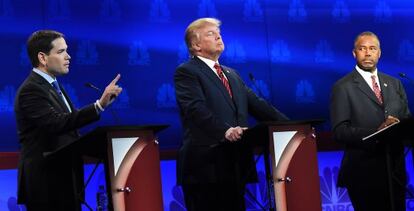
(67, 98)
(205, 69)
(49, 88)
(363, 86)
(232, 82)
(57, 98)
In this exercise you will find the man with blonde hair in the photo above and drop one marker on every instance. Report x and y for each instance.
(214, 162)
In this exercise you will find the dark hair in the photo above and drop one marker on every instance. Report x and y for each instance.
(41, 41)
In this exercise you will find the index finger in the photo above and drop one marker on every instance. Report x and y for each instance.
(116, 79)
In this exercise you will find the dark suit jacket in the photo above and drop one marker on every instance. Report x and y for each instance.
(356, 113)
(44, 124)
(207, 111)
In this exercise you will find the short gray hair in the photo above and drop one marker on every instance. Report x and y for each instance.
(366, 33)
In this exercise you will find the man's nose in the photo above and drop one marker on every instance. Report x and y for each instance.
(218, 37)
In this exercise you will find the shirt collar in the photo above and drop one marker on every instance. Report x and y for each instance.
(47, 77)
(209, 62)
(366, 74)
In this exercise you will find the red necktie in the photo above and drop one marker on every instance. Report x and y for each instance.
(376, 89)
(222, 78)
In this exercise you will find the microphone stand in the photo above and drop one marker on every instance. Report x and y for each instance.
(86, 185)
(265, 154)
(410, 148)
(253, 80)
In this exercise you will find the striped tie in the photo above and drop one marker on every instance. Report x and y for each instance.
(376, 89)
(223, 79)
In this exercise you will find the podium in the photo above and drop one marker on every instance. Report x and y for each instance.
(130, 155)
(400, 130)
(291, 164)
(401, 133)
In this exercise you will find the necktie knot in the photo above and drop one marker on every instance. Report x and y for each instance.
(55, 85)
(218, 69)
(376, 89)
(223, 79)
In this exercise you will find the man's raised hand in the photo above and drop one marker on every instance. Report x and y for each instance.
(111, 92)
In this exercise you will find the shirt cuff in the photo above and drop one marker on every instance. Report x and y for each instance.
(98, 107)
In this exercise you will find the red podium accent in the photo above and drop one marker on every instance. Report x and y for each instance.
(146, 177)
(136, 185)
(293, 168)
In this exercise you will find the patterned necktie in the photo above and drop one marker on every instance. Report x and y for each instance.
(376, 89)
(57, 88)
(223, 79)
(55, 85)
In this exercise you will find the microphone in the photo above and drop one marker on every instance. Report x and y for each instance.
(89, 85)
(253, 80)
(403, 75)
(114, 115)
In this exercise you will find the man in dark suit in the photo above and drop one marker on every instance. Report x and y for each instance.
(363, 102)
(46, 120)
(214, 164)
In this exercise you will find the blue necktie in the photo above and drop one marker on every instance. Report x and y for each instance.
(55, 85)
(57, 88)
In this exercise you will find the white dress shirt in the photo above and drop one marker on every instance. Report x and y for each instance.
(367, 77)
(210, 63)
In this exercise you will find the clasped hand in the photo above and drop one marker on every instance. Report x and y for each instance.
(234, 133)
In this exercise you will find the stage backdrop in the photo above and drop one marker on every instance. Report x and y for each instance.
(296, 50)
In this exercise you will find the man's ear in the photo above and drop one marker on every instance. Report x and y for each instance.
(195, 46)
(42, 57)
(353, 53)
